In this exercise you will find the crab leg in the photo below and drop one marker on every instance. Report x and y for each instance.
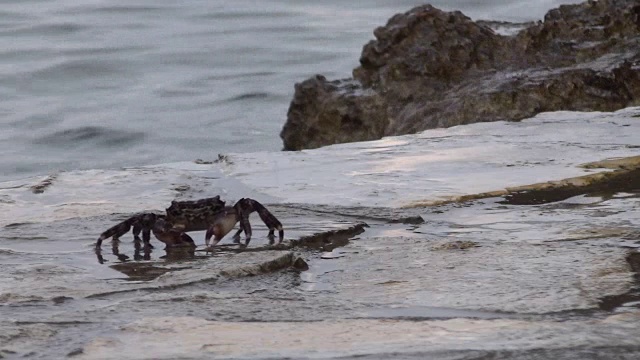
(246, 226)
(246, 206)
(271, 221)
(249, 205)
(140, 223)
(236, 236)
(119, 230)
(146, 234)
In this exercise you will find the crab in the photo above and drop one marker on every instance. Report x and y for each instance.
(208, 214)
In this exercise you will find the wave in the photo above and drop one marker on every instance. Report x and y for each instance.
(256, 95)
(45, 29)
(96, 135)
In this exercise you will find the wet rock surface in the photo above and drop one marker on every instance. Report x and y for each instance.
(479, 275)
(625, 177)
(353, 337)
(428, 68)
(402, 247)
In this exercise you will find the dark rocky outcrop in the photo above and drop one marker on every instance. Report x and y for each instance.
(428, 68)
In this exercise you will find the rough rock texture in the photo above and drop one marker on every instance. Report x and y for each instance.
(171, 337)
(428, 68)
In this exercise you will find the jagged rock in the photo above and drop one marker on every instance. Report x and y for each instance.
(428, 68)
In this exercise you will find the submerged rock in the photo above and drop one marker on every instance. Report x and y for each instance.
(428, 68)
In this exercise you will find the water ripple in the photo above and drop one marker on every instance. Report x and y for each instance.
(90, 134)
(113, 9)
(42, 29)
(244, 15)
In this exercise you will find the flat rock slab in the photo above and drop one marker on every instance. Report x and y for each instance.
(412, 270)
(515, 277)
(443, 164)
(189, 337)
